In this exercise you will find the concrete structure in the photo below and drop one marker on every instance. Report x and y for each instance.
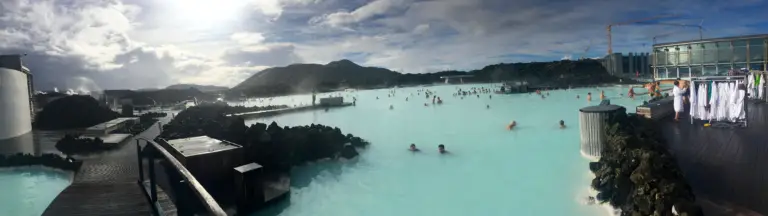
(332, 101)
(709, 57)
(628, 65)
(16, 97)
(592, 123)
(210, 160)
(448, 79)
(109, 126)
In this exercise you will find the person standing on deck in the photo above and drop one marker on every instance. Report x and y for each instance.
(678, 92)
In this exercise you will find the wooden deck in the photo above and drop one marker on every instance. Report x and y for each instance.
(725, 167)
(108, 185)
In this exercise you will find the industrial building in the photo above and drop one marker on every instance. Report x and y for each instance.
(632, 64)
(709, 57)
(16, 102)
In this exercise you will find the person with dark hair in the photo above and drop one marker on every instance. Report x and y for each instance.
(589, 96)
(441, 149)
(413, 148)
(562, 124)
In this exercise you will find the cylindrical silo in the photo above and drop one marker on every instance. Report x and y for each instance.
(15, 116)
(592, 123)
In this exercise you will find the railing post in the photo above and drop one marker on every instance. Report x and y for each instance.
(141, 162)
(152, 180)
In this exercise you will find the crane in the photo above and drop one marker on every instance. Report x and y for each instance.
(701, 28)
(659, 36)
(610, 45)
(586, 50)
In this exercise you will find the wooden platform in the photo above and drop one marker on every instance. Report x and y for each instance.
(108, 185)
(725, 167)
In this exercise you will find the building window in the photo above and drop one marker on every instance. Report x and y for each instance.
(709, 70)
(722, 69)
(756, 50)
(724, 52)
(696, 71)
(672, 56)
(740, 51)
(683, 55)
(697, 54)
(710, 53)
(684, 72)
(661, 58)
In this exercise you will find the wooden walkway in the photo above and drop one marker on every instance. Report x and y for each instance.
(107, 185)
(725, 167)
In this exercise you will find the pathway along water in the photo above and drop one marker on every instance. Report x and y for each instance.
(535, 169)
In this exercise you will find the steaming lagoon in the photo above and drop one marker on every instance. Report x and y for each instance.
(535, 169)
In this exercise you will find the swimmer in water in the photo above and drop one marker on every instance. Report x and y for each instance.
(577, 97)
(562, 124)
(602, 95)
(511, 125)
(631, 93)
(589, 96)
(441, 149)
(391, 107)
(487, 106)
(413, 148)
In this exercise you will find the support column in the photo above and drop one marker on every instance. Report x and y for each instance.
(631, 63)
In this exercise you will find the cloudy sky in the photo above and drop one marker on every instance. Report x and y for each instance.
(155, 43)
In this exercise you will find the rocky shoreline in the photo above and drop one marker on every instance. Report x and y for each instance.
(637, 175)
(276, 148)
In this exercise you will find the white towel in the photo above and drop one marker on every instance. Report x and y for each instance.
(761, 88)
(713, 102)
(751, 86)
(693, 97)
(703, 114)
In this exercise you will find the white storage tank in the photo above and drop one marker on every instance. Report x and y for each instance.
(15, 105)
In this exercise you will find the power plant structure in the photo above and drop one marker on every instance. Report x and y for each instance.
(16, 92)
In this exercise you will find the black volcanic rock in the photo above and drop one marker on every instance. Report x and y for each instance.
(276, 148)
(75, 111)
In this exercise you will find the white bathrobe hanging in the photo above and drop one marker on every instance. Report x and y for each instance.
(713, 102)
(693, 97)
(761, 88)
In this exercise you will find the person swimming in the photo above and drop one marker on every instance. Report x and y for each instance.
(391, 107)
(413, 148)
(577, 97)
(511, 125)
(441, 149)
(562, 124)
(631, 93)
(602, 95)
(589, 96)
(487, 106)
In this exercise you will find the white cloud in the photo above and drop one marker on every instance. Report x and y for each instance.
(247, 38)
(374, 8)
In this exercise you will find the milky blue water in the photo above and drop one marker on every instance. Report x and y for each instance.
(28, 191)
(535, 169)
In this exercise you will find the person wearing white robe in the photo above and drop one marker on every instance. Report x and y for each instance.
(678, 100)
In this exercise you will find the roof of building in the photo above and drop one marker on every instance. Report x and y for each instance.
(712, 40)
(200, 145)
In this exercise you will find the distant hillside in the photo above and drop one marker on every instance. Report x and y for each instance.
(162, 96)
(307, 77)
(202, 88)
(299, 78)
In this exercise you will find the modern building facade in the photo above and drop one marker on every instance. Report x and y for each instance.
(632, 64)
(16, 97)
(709, 57)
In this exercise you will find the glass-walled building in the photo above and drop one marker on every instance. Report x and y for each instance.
(709, 57)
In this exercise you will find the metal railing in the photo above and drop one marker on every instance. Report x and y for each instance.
(207, 201)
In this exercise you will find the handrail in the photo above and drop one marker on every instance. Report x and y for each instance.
(210, 204)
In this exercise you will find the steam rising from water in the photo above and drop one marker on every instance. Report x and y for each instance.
(82, 86)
